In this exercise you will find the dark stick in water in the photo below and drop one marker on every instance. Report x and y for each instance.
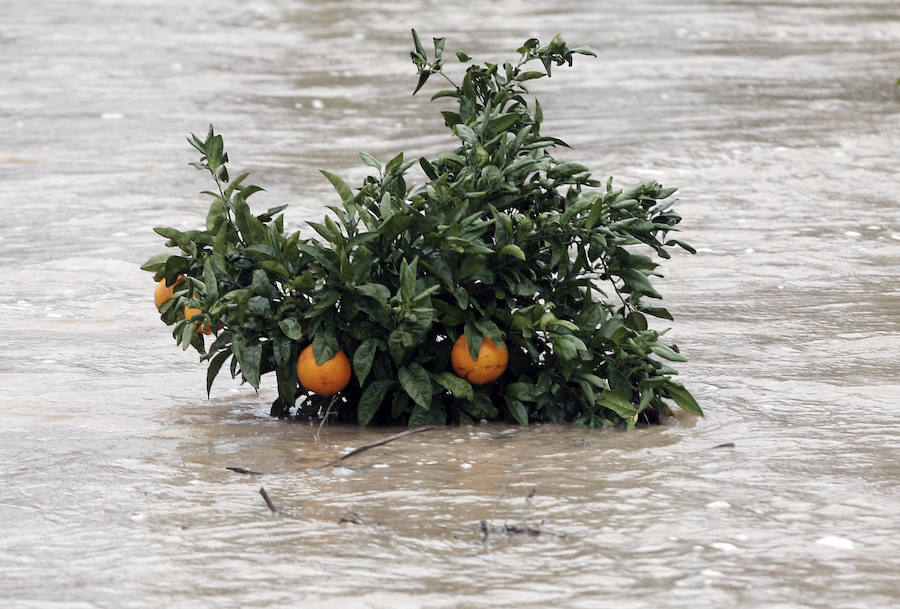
(373, 445)
(265, 496)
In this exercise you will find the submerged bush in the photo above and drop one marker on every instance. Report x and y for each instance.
(504, 242)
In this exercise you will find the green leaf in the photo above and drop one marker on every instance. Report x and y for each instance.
(219, 243)
(420, 416)
(209, 281)
(567, 169)
(423, 78)
(518, 411)
(262, 251)
(636, 321)
(471, 264)
(187, 333)
(438, 47)
(585, 50)
(215, 365)
(522, 391)
(658, 312)
(332, 235)
(444, 93)
(251, 228)
(617, 402)
(418, 43)
(492, 330)
(175, 266)
(451, 118)
(371, 399)
(363, 358)
(416, 383)
(523, 76)
(249, 360)
(375, 290)
(156, 263)
(395, 165)
(325, 345)
(685, 246)
(398, 341)
(637, 282)
(369, 160)
(460, 388)
(172, 234)
(384, 206)
(291, 328)
(408, 279)
(503, 122)
(512, 250)
(275, 267)
(646, 397)
(474, 338)
(683, 398)
(564, 348)
(465, 133)
(342, 189)
(666, 352)
(324, 303)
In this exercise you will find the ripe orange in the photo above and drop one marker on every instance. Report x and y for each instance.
(189, 313)
(489, 365)
(164, 292)
(326, 379)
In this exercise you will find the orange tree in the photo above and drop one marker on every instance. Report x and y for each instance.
(504, 240)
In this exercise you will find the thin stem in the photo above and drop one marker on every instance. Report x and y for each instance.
(448, 79)
(325, 418)
(225, 202)
(615, 287)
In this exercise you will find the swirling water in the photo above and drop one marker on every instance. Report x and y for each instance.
(777, 119)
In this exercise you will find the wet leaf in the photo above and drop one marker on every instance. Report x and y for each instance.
(363, 358)
(291, 328)
(518, 411)
(617, 402)
(667, 352)
(460, 388)
(416, 383)
(512, 250)
(215, 365)
(371, 399)
(342, 189)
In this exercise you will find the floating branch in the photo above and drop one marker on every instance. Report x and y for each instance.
(381, 442)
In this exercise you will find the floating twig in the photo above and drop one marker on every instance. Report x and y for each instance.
(366, 447)
(489, 530)
(725, 445)
(249, 472)
(356, 519)
(505, 434)
(265, 496)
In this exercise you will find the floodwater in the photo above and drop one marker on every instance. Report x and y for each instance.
(779, 122)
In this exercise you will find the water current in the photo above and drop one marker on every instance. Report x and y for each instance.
(779, 122)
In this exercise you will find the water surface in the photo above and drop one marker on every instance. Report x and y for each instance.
(778, 121)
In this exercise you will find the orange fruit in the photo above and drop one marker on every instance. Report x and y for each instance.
(189, 313)
(164, 292)
(487, 367)
(325, 379)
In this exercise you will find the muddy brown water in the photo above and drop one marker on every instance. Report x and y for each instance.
(778, 121)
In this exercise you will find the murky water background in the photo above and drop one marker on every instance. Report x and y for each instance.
(779, 122)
